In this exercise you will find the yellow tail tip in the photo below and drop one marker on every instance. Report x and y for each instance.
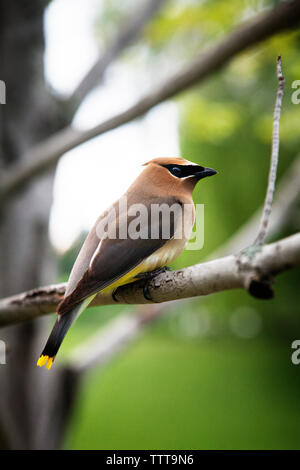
(45, 360)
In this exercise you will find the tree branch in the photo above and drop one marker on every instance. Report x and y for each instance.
(260, 285)
(218, 275)
(130, 29)
(46, 154)
(263, 227)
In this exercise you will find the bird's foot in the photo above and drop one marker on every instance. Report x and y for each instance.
(148, 276)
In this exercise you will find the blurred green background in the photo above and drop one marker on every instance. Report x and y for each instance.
(213, 373)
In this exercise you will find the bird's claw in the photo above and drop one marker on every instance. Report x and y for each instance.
(150, 274)
(147, 276)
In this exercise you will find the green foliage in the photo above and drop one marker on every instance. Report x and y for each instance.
(209, 121)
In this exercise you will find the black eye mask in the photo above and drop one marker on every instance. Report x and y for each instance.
(183, 171)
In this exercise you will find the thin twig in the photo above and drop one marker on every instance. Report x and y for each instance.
(264, 222)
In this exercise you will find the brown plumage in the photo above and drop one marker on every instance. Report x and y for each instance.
(106, 263)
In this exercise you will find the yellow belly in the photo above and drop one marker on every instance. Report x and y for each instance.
(160, 258)
(129, 277)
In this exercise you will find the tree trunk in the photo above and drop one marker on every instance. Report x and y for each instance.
(30, 399)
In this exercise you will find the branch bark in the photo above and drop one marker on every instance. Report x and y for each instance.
(221, 274)
(46, 154)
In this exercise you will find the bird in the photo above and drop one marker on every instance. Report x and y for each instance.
(131, 247)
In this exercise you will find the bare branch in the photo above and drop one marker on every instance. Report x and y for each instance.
(263, 227)
(202, 279)
(46, 154)
(130, 29)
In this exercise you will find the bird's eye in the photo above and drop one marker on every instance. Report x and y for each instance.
(176, 171)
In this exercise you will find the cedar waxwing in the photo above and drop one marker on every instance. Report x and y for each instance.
(109, 259)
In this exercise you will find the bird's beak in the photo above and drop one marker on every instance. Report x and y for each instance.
(203, 172)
